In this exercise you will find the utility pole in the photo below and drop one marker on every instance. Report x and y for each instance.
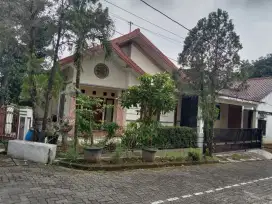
(130, 25)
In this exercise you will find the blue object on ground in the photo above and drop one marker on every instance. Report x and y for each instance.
(29, 135)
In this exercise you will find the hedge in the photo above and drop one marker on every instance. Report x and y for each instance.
(175, 137)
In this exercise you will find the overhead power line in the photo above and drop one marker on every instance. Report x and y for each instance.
(176, 21)
(155, 33)
(166, 56)
(144, 19)
(165, 15)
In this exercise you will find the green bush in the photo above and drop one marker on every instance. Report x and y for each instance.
(175, 137)
(194, 155)
(116, 157)
(154, 135)
(129, 139)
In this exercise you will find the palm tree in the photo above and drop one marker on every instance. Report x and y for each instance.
(87, 23)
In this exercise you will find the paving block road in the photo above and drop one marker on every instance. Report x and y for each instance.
(243, 182)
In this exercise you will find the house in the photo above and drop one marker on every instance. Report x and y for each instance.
(257, 90)
(133, 55)
(241, 111)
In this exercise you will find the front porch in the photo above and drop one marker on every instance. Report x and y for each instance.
(235, 127)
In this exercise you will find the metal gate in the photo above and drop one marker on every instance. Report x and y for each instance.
(9, 121)
(232, 139)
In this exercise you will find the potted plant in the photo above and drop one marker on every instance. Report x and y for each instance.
(110, 128)
(147, 132)
(65, 128)
(88, 107)
(148, 154)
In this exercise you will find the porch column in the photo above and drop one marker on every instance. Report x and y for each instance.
(254, 119)
(242, 117)
(72, 114)
(200, 126)
(120, 112)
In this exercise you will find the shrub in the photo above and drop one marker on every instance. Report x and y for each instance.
(155, 135)
(111, 129)
(71, 154)
(116, 157)
(129, 139)
(194, 155)
(175, 137)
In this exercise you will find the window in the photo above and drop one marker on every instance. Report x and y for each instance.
(219, 111)
(108, 114)
(101, 71)
(262, 126)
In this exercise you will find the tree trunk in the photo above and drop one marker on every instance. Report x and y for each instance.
(4, 83)
(53, 71)
(158, 116)
(77, 61)
(64, 140)
(176, 115)
(31, 52)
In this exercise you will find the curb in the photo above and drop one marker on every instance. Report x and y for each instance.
(118, 167)
(240, 160)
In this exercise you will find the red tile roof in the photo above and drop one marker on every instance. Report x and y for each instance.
(123, 39)
(255, 89)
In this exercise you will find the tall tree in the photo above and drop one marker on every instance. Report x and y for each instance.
(12, 58)
(88, 22)
(60, 21)
(36, 32)
(261, 67)
(155, 95)
(211, 50)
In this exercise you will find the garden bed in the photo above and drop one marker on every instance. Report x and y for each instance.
(131, 163)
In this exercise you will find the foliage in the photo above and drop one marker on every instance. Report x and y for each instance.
(146, 134)
(141, 135)
(12, 68)
(129, 139)
(59, 22)
(194, 155)
(71, 154)
(110, 128)
(87, 108)
(87, 22)
(155, 95)
(211, 51)
(41, 87)
(175, 137)
(261, 67)
(116, 157)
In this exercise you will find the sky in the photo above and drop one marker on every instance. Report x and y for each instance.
(252, 20)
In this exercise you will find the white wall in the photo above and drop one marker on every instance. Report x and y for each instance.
(144, 62)
(223, 120)
(117, 76)
(267, 107)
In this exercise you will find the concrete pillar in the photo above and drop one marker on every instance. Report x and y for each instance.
(120, 112)
(254, 119)
(242, 117)
(200, 125)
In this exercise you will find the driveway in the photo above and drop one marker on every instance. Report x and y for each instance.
(245, 182)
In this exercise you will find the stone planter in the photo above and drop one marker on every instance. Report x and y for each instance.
(148, 155)
(92, 154)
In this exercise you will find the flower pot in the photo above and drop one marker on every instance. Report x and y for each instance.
(92, 154)
(148, 155)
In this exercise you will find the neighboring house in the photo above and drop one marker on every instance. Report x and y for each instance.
(256, 90)
(244, 108)
(133, 55)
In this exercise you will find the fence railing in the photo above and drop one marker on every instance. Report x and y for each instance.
(237, 139)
